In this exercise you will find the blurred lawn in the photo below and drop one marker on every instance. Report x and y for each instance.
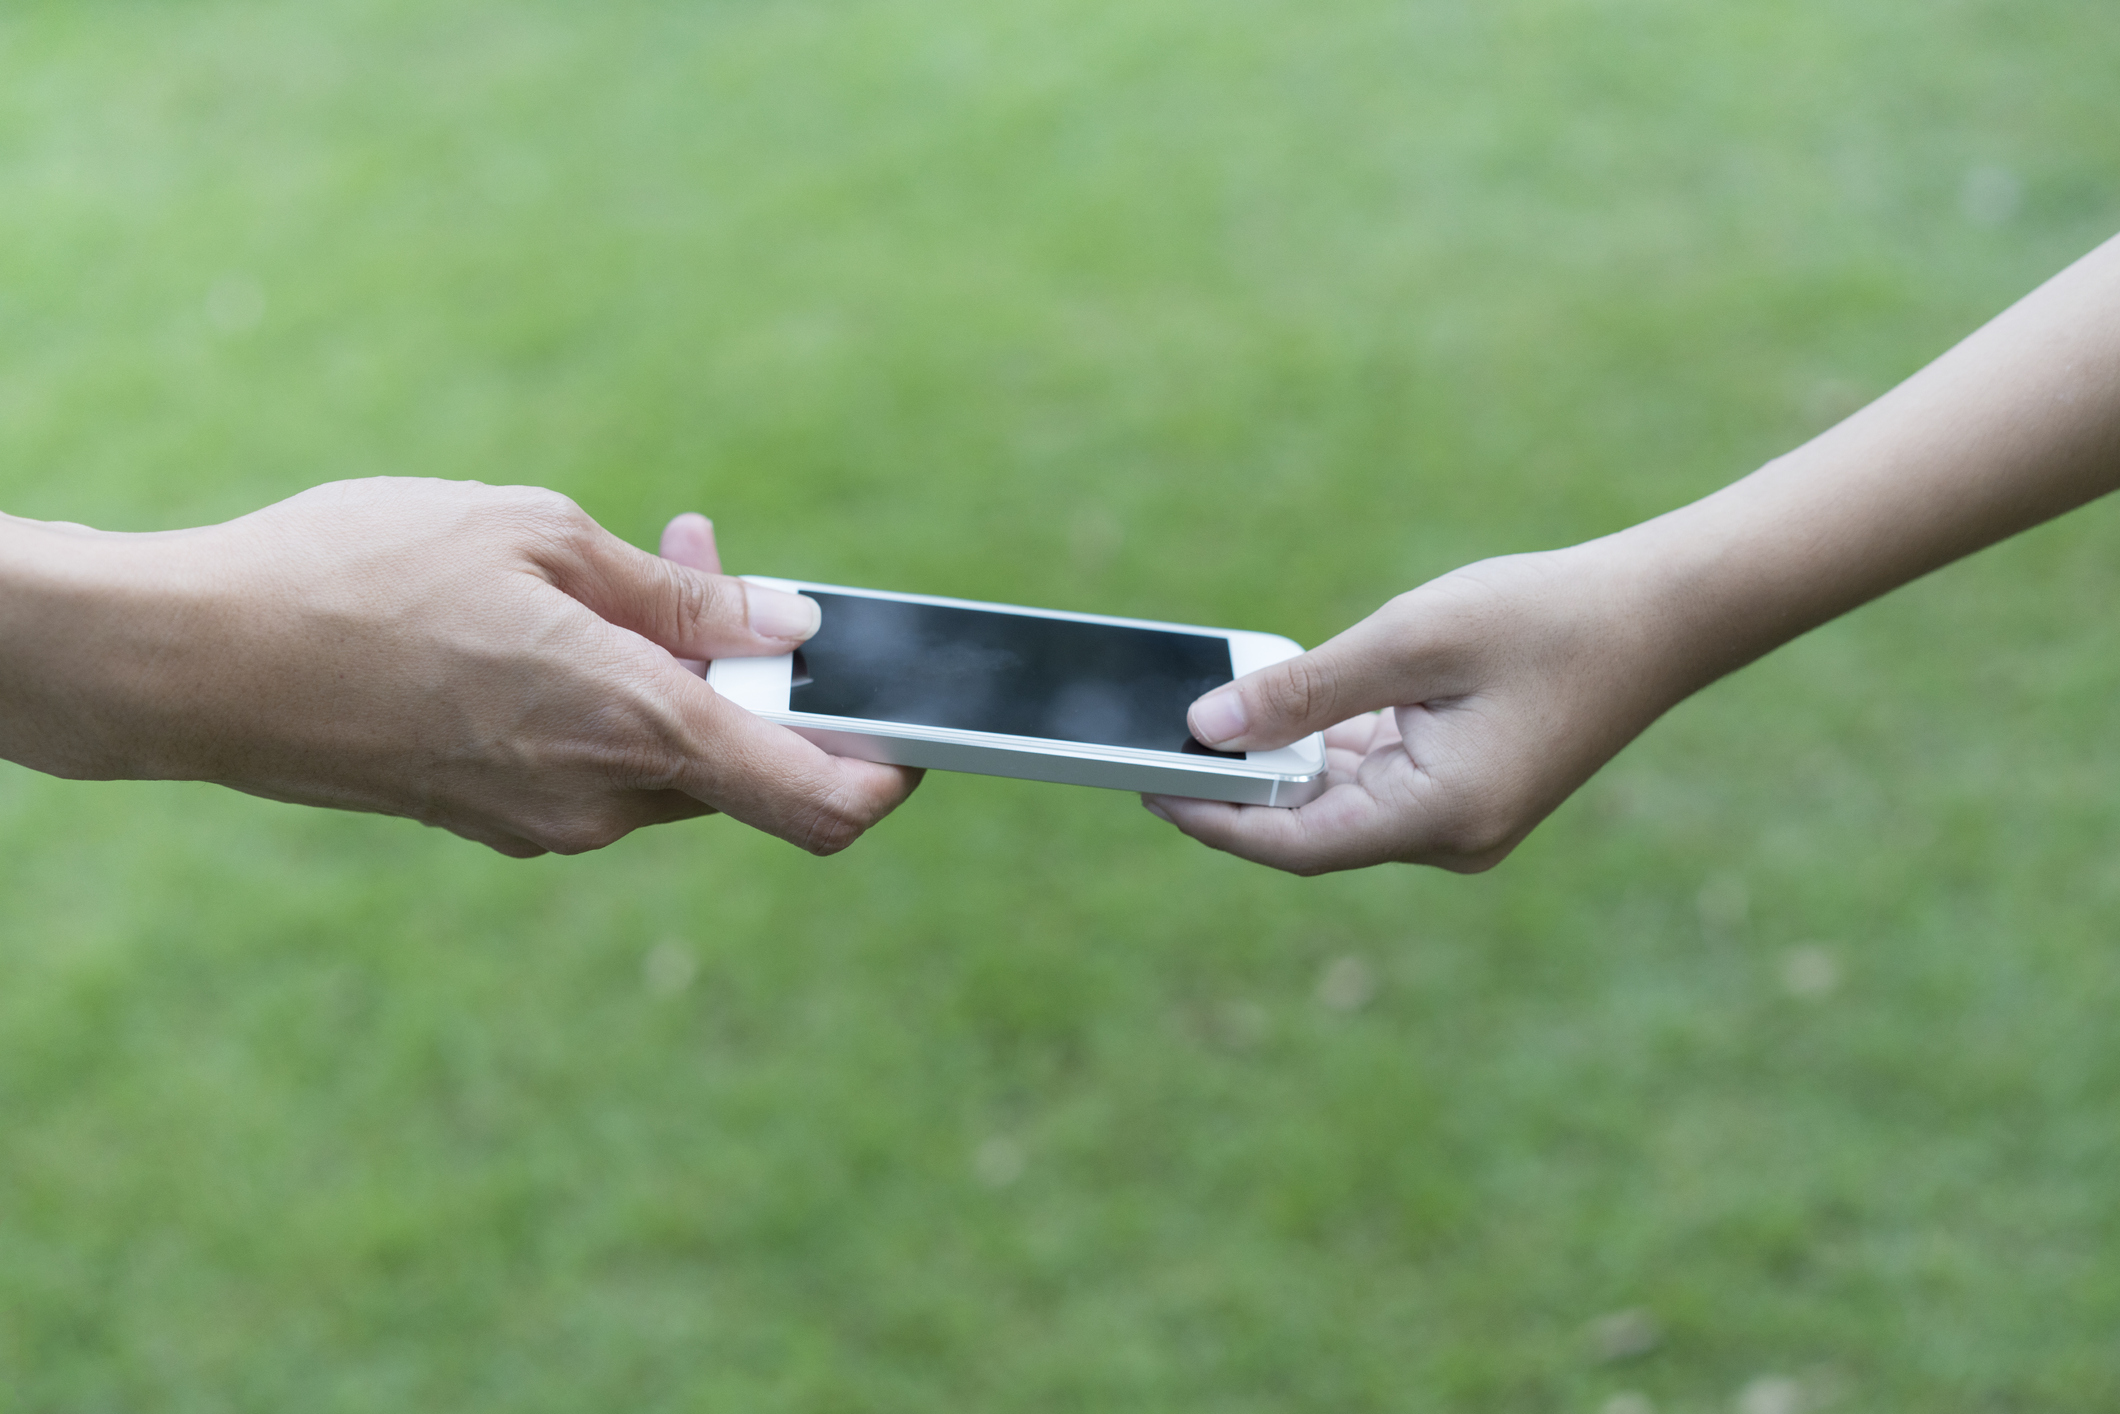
(1236, 312)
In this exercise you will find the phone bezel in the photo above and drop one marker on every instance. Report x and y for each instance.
(762, 685)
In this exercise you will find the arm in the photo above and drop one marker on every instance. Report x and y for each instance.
(1510, 682)
(485, 659)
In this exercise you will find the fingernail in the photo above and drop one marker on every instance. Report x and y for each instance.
(1218, 718)
(778, 615)
(1156, 810)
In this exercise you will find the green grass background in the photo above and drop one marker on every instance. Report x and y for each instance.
(1233, 311)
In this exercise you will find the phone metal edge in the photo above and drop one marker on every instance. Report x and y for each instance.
(998, 754)
(798, 586)
(985, 754)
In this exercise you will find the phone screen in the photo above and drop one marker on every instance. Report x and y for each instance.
(935, 665)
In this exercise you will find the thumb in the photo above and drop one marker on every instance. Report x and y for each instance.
(1361, 670)
(690, 612)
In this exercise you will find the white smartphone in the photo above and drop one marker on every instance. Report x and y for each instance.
(1040, 694)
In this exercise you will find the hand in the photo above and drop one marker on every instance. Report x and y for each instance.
(485, 659)
(1503, 686)
(1511, 681)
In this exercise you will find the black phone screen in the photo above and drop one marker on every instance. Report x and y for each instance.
(935, 665)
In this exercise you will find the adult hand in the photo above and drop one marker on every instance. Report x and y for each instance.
(1502, 687)
(485, 659)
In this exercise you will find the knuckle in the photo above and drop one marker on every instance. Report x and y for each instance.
(636, 738)
(650, 768)
(1299, 692)
(685, 600)
(717, 599)
(1405, 608)
(832, 826)
(829, 835)
(553, 518)
(692, 594)
(582, 834)
(671, 601)
(543, 500)
(642, 744)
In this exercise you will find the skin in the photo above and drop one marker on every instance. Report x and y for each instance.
(1459, 715)
(485, 659)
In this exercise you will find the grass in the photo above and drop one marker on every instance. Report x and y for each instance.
(1238, 312)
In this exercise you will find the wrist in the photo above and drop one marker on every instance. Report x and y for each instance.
(81, 613)
(1680, 601)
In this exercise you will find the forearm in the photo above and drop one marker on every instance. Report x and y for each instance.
(2017, 424)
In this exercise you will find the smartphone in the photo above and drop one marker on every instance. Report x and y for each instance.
(1040, 694)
